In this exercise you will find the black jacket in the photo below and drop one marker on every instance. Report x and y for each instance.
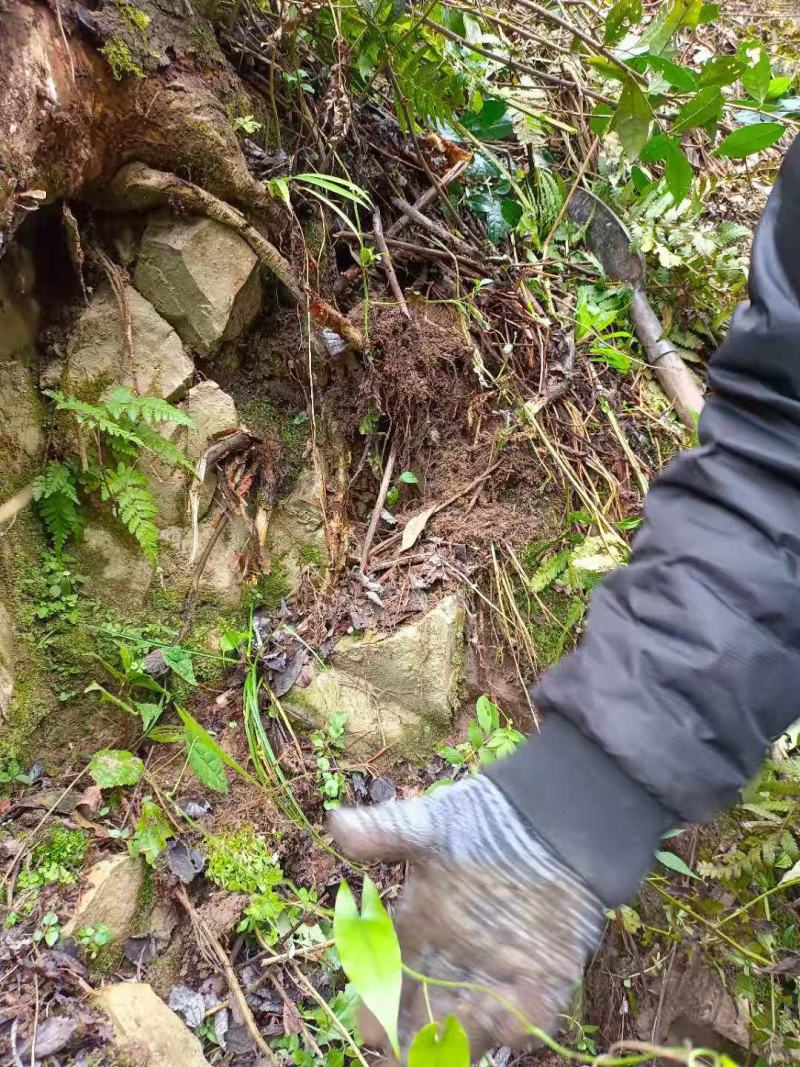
(691, 659)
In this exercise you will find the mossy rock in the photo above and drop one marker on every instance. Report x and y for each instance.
(398, 689)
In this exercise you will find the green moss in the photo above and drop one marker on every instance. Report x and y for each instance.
(144, 903)
(118, 56)
(292, 430)
(271, 588)
(56, 859)
(310, 556)
(549, 628)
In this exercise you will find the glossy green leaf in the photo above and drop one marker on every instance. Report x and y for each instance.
(632, 118)
(677, 168)
(623, 15)
(723, 70)
(748, 140)
(492, 123)
(191, 724)
(114, 767)
(757, 74)
(370, 954)
(440, 1045)
(488, 713)
(778, 86)
(705, 106)
(408, 478)
(675, 863)
(678, 77)
(166, 735)
(670, 18)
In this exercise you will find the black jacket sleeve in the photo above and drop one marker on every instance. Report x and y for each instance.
(691, 659)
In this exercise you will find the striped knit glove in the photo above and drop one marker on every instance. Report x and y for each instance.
(486, 902)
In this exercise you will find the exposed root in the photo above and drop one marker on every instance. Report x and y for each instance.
(140, 188)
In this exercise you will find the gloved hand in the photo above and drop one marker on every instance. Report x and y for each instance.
(486, 902)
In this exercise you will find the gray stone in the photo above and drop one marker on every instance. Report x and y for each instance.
(212, 411)
(146, 1030)
(6, 661)
(398, 689)
(202, 277)
(220, 581)
(96, 352)
(118, 571)
(110, 897)
(21, 435)
(296, 535)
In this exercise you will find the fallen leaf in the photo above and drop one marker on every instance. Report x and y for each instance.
(51, 1036)
(91, 799)
(292, 1023)
(414, 527)
(189, 1004)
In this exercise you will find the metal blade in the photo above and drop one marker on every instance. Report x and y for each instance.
(607, 237)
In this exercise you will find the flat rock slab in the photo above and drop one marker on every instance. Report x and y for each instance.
(110, 897)
(201, 276)
(398, 689)
(96, 358)
(146, 1030)
(118, 570)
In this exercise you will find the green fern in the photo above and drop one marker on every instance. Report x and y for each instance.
(122, 403)
(134, 506)
(56, 494)
(547, 572)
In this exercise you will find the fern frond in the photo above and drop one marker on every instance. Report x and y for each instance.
(163, 447)
(549, 570)
(134, 506)
(55, 492)
(93, 416)
(122, 403)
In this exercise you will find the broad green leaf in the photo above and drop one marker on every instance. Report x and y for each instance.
(204, 757)
(778, 86)
(677, 168)
(180, 661)
(757, 74)
(149, 713)
(631, 920)
(408, 478)
(675, 863)
(750, 139)
(623, 15)
(151, 833)
(488, 714)
(671, 17)
(492, 123)
(190, 723)
(705, 106)
(723, 70)
(600, 119)
(440, 1045)
(112, 767)
(632, 118)
(370, 954)
(678, 77)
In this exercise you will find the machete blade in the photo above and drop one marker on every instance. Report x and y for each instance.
(607, 237)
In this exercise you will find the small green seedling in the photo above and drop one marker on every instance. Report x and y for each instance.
(406, 478)
(94, 938)
(486, 740)
(331, 782)
(49, 931)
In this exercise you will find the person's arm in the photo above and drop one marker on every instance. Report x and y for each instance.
(689, 665)
(691, 659)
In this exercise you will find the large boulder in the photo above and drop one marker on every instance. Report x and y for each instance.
(96, 358)
(212, 412)
(6, 662)
(202, 277)
(110, 897)
(118, 571)
(296, 535)
(146, 1030)
(399, 689)
(21, 435)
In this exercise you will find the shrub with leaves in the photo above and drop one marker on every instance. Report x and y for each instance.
(110, 437)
